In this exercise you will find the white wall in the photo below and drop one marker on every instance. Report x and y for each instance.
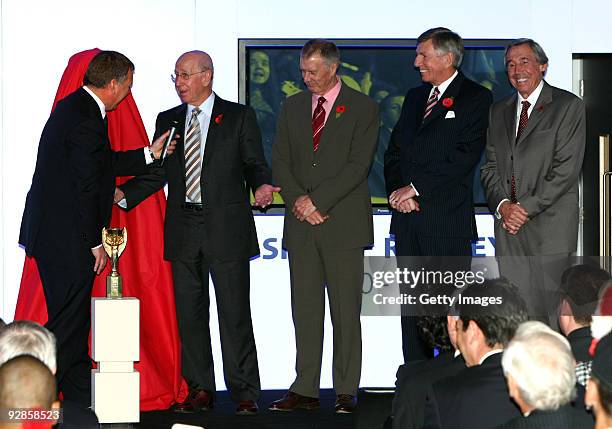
(37, 37)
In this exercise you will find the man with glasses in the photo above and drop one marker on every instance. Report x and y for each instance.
(209, 229)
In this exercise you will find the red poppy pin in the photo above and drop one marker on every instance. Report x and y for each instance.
(448, 102)
(540, 108)
(340, 109)
(218, 119)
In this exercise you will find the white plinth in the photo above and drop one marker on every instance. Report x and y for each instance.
(115, 396)
(115, 346)
(115, 325)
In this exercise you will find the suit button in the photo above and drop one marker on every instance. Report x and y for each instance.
(507, 181)
(511, 158)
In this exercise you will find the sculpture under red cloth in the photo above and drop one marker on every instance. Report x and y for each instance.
(146, 275)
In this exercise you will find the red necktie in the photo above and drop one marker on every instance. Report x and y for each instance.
(521, 127)
(318, 121)
(431, 102)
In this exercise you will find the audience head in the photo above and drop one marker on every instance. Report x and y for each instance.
(580, 288)
(110, 76)
(193, 77)
(526, 64)
(482, 328)
(319, 61)
(539, 367)
(23, 337)
(26, 382)
(439, 54)
(2, 324)
(599, 387)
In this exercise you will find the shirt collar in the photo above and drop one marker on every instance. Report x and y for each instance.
(533, 97)
(206, 106)
(490, 353)
(332, 94)
(444, 85)
(97, 100)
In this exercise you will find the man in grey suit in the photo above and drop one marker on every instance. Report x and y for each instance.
(535, 148)
(326, 139)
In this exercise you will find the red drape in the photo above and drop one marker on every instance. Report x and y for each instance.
(146, 275)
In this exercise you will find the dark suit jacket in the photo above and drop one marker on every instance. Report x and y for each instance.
(547, 161)
(413, 381)
(475, 398)
(71, 196)
(438, 157)
(565, 417)
(335, 176)
(580, 341)
(233, 160)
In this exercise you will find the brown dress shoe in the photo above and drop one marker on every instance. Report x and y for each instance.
(247, 408)
(345, 404)
(198, 400)
(293, 401)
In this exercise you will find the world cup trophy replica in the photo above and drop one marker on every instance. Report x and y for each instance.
(114, 241)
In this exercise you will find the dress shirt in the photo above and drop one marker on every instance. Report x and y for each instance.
(330, 98)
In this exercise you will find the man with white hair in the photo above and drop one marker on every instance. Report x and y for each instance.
(539, 369)
(23, 337)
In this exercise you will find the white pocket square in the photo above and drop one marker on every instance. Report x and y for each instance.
(450, 114)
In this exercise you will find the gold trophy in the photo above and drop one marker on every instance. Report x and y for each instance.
(114, 241)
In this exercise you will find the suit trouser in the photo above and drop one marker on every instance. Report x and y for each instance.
(313, 267)
(68, 299)
(433, 251)
(538, 278)
(232, 291)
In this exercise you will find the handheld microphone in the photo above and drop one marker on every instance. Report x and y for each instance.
(167, 142)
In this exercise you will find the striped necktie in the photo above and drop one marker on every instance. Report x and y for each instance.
(192, 158)
(431, 102)
(318, 122)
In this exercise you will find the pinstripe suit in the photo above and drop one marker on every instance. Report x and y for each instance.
(438, 156)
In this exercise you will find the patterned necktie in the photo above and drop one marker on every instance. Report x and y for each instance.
(521, 127)
(192, 158)
(318, 121)
(431, 102)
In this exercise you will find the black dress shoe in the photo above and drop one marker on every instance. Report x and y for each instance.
(247, 408)
(293, 401)
(198, 400)
(345, 404)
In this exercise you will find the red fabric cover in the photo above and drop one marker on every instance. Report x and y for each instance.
(146, 275)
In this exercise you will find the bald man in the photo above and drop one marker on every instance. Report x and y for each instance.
(209, 229)
(27, 383)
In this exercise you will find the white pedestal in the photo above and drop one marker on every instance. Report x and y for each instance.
(116, 346)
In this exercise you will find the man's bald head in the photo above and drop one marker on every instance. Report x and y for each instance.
(26, 382)
(193, 77)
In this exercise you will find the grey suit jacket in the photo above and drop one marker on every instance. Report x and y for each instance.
(335, 176)
(547, 160)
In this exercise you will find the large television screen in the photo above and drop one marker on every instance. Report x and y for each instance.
(383, 69)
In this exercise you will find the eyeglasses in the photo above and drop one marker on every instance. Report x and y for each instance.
(185, 76)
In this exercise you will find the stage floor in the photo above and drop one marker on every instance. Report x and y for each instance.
(372, 412)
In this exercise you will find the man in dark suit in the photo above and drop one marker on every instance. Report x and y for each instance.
(580, 289)
(477, 396)
(535, 147)
(209, 229)
(430, 161)
(414, 378)
(325, 142)
(539, 369)
(69, 202)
